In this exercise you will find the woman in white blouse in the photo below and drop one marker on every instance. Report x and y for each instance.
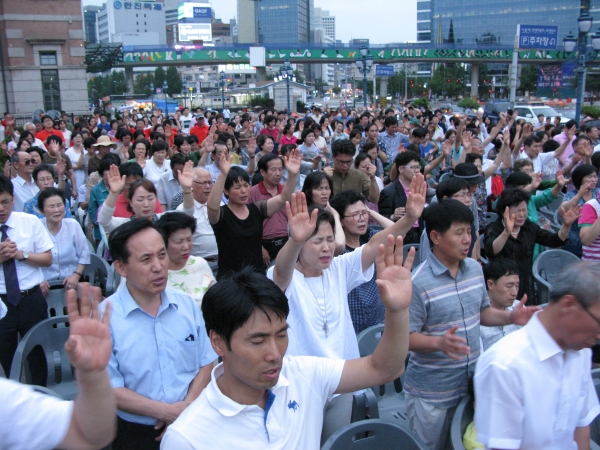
(71, 252)
(141, 197)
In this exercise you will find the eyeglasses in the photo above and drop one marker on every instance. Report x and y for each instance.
(589, 313)
(204, 183)
(344, 163)
(462, 195)
(414, 168)
(27, 162)
(359, 215)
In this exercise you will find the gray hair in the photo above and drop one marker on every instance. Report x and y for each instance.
(582, 280)
(15, 157)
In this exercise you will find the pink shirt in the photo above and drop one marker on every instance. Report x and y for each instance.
(406, 192)
(589, 214)
(561, 138)
(275, 226)
(284, 140)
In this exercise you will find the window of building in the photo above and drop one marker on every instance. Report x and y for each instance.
(48, 59)
(423, 6)
(423, 37)
(51, 89)
(424, 15)
(423, 26)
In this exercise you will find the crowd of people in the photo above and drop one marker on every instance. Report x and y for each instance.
(269, 241)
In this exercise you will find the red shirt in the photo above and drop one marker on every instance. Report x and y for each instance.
(274, 133)
(43, 135)
(121, 207)
(200, 131)
(276, 225)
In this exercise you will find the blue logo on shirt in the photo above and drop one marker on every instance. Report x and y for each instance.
(293, 405)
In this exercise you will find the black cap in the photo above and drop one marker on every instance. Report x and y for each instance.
(469, 173)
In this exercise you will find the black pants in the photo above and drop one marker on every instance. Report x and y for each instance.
(413, 236)
(272, 246)
(19, 319)
(135, 436)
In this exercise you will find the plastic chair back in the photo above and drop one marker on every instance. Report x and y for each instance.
(372, 435)
(490, 217)
(463, 416)
(96, 272)
(45, 390)
(554, 206)
(406, 249)
(51, 337)
(56, 301)
(546, 266)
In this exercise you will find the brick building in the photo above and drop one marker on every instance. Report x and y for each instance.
(43, 52)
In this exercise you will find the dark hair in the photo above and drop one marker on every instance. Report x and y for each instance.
(440, 216)
(520, 163)
(47, 193)
(343, 199)
(141, 141)
(262, 138)
(43, 168)
(235, 174)
(390, 120)
(54, 138)
(450, 186)
(404, 158)
(6, 185)
(322, 216)
(143, 183)
(263, 162)
(355, 132)
(570, 124)
(498, 268)
(44, 117)
(420, 132)
(518, 179)
(580, 173)
(178, 158)
(369, 145)
(117, 241)
(179, 140)
(138, 133)
(121, 133)
(88, 142)
(343, 147)
(130, 169)
(174, 221)
(108, 160)
(158, 146)
(360, 158)
(370, 125)
(269, 119)
(228, 304)
(312, 181)
(596, 160)
(472, 157)
(307, 130)
(37, 150)
(284, 149)
(533, 139)
(510, 197)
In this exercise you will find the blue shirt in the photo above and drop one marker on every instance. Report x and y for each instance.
(392, 143)
(156, 357)
(97, 196)
(30, 207)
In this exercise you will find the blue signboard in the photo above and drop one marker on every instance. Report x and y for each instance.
(157, 6)
(384, 71)
(137, 5)
(127, 5)
(201, 12)
(117, 4)
(538, 37)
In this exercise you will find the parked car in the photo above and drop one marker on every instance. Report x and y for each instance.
(493, 108)
(530, 113)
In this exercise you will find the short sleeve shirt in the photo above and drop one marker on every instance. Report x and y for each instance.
(589, 214)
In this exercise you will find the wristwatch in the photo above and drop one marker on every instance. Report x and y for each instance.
(25, 256)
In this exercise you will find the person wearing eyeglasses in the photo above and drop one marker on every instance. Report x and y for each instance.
(24, 186)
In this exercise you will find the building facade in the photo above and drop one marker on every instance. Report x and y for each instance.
(90, 23)
(43, 55)
(144, 20)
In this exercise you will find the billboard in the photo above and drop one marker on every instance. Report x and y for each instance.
(194, 10)
(538, 37)
(384, 71)
(556, 75)
(194, 32)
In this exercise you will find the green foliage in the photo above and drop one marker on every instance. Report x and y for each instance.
(591, 111)
(336, 90)
(421, 102)
(142, 84)
(159, 77)
(299, 78)
(448, 80)
(592, 85)
(102, 85)
(264, 102)
(528, 79)
(416, 86)
(174, 81)
(468, 102)
(300, 106)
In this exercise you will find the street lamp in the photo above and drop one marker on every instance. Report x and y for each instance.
(165, 89)
(222, 79)
(580, 44)
(287, 71)
(152, 91)
(364, 64)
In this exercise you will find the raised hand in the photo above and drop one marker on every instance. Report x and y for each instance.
(293, 161)
(571, 132)
(186, 176)
(328, 171)
(452, 345)
(393, 277)
(509, 220)
(251, 147)
(116, 182)
(521, 314)
(586, 188)
(53, 148)
(209, 144)
(416, 197)
(225, 160)
(560, 178)
(569, 217)
(60, 166)
(89, 345)
(466, 139)
(371, 170)
(302, 225)
(536, 180)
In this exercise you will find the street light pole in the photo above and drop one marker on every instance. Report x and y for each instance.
(364, 65)
(222, 80)
(165, 89)
(152, 92)
(570, 42)
(288, 71)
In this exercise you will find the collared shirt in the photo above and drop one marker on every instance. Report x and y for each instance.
(354, 179)
(589, 214)
(31, 419)
(541, 161)
(153, 173)
(156, 357)
(205, 243)
(276, 225)
(491, 335)
(23, 192)
(382, 145)
(70, 249)
(30, 235)
(97, 196)
(518, 409)
(30, 207)
(439, 302)
(166, 187)
(561, 139)
(292, 418)
(392, 142)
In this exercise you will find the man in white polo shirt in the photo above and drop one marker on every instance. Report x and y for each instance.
(534, 388)
(257, 398)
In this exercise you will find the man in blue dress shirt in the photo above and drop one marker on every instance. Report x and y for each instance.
(161, 358)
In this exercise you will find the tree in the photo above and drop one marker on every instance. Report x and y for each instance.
(336, 90)
(120, 82)
(469, 103)
(159, 77)
(528, 79)
(299, 78)
(592, 85)
(142, 84)
(448, 80)
(173, 80)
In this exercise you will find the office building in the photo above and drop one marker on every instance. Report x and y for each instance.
(323, 33)
(131, 22)
(43, 55)
(322, 19)
(90, 23)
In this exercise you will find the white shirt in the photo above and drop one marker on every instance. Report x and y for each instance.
(226, 113)
(152, 172)
(30, 235)
(531, 394)
(166, 187)
(186, 123)
(30, 419)
(542, 160)
(70, 248)
(314, 299)
(80, 174)
(205, 243)
(109, 222)
(23, 192)
(67, 135)
(292, 419)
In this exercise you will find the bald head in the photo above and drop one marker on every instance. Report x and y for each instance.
(203, 183)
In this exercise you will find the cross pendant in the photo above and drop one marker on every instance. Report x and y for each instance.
(325, 328)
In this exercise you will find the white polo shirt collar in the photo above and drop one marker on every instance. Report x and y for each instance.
(543, 343)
